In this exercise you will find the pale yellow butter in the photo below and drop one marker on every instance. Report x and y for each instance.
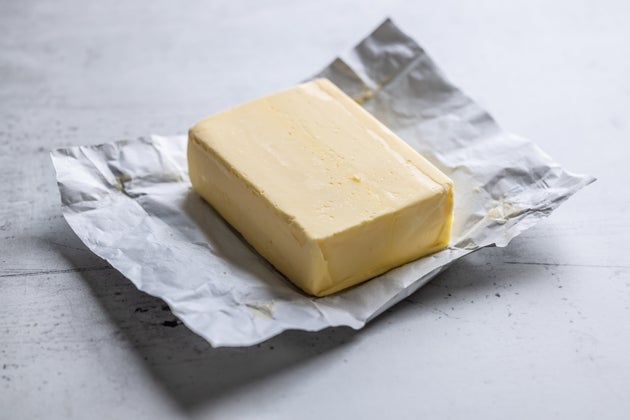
(324, 191)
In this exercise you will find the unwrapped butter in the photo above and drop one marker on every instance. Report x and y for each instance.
(319, 187)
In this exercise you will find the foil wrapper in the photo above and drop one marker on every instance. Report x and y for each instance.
(132, 204)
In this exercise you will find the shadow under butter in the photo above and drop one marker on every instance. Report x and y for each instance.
(209, 229)
(192, 372)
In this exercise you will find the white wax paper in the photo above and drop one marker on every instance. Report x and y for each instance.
(131, 203)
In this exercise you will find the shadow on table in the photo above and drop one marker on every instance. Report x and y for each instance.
(195, 374)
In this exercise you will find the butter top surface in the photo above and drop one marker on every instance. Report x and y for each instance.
(323, 160)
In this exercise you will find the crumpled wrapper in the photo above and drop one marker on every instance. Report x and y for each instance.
(132, 204)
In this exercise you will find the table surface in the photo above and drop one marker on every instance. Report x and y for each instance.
(539, 329)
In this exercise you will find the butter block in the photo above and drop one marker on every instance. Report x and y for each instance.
(319, 187)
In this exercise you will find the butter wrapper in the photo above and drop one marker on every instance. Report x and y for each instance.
(131, 203)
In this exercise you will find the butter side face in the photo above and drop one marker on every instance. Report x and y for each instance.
(319, 187)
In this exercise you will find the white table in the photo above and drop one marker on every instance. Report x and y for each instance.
(540, 329)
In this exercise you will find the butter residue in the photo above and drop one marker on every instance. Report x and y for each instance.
(364, 96)
(261, 309)
(503, 211)
(120, 180)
